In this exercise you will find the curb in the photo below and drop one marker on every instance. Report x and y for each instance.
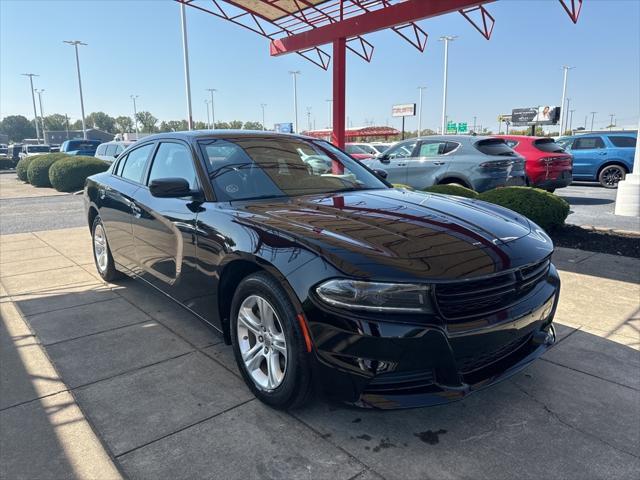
(611, 231)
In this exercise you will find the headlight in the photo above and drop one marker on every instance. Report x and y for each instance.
(378, 297)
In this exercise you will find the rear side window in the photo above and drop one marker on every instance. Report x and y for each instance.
(101, 149)
(587, 143)
(135, 162)
(548, 145)
(495, 146)
(111, 150)
(623, 142)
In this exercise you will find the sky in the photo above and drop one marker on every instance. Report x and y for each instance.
(135, 47)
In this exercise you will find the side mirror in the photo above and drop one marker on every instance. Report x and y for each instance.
(116, 155)
(381, 173)
(169, 188)
(384, 158)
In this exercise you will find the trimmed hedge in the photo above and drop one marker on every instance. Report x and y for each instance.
(6, 163)
(23, 165)
(38, 169)
(543, 208)
(69, 174)
(457, 190)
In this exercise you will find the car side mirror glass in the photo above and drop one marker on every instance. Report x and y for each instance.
(169, 188)
(381, 173)
(116, 155)
(384, 158)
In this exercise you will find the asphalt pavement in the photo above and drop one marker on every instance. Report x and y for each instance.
(18, 215)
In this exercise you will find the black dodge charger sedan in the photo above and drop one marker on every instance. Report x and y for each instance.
(320, 274)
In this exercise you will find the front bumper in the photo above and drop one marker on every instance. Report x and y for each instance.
(389, 365)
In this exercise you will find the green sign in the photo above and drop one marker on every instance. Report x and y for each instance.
(452, 127)
(462, 127)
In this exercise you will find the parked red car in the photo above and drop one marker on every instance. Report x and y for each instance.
(547, 164)
(356, 152)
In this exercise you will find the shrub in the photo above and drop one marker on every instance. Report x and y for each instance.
(23, 165)
(6, 163)
(38, 169)
(69, 174)
(457, 190)
(543, 208)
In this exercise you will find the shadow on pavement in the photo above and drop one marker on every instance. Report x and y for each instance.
(587, 201)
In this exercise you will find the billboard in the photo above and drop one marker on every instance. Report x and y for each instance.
(283, 127)
(404, 110)
(544, 115)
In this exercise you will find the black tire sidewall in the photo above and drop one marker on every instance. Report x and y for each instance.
(601, 176)
(297, 373)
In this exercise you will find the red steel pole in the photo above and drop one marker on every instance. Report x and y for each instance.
(339, 83)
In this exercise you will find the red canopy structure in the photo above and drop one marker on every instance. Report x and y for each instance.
(304, 26)
(357, 132)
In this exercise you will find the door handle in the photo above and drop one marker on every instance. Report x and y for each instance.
(438, 163)
(402, 164)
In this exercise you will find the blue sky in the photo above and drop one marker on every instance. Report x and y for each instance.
(134, 47)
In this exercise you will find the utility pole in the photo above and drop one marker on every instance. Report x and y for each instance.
(612, 115)
(66, 117)
(474, 123)
(446, 39)
(75, 43)
(420, 111)
(213, 109)
(585, 121)
(566, 115)
(329, 111)
(135, 114)
(262, 105)
(571, 121)
(33, 99)
(185, 54)
(593, 115)
(566, 69)
(40, 92)
(208, 118)
(308, 118)
(294, 74)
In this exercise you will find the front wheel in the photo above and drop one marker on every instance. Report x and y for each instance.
(102, 254)
(611, 175)
(267, 343)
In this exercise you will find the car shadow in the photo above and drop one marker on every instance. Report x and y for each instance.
(587, 201)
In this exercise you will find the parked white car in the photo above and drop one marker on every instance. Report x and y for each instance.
(109, 151)
(35, 149)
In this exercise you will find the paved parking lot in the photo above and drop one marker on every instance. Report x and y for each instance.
(107, 381)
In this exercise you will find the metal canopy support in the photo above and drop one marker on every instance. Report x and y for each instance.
(417, 37)
(487, 20)
(574, 11)
(339, 91)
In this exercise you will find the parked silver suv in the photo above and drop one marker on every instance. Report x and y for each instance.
(480, 163)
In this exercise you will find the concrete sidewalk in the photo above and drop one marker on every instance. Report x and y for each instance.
(12, 187)
(103, 381)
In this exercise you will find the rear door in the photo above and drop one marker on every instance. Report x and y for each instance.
(430, 162)
(589, 152)
(623, 147)
(165, 228)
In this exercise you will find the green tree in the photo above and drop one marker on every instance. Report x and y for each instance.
(199, 126)
(147, 121)
(124, 124)
(77, 125)
(222, 126)
(252, 126)
(17, 128)
(235, 124)
(55, 122)
(101, 121)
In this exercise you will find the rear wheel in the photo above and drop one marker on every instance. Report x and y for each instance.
(267, 342)
(102, 254)
(610, 176)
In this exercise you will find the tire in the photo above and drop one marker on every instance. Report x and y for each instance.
(550, 190)
(281, 380)
(454, 181)
(610, 175)
(102, 253)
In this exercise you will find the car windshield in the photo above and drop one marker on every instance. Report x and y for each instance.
(266, 167)
(548, 145)
(379, 148)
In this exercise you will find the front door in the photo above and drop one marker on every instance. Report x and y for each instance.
(394, 161)
(429, 164)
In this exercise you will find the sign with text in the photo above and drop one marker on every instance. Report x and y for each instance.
(452, 127)
(404, 110)
(462, 127)
(545, 115)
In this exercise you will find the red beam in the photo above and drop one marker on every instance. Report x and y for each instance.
(397, 14)
(339, 93)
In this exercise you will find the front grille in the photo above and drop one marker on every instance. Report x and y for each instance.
(478, 297)
(400, 382)
(470, 363)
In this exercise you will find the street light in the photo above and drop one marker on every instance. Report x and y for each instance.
(213, 109)
(294, 74)
(262, 105)
(185, 54)
(208, 119)
(33, 99)
(446, 39)
(420, 111)
(40, 92)
(308, 118)
(565, 114)
(571, 120)
(475, 117)
(329, 109)
(593, 115)
(75, 43)
(135, 114)
(564, 94)
(612, 115)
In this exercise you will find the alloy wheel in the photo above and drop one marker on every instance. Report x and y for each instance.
(100, 248)
(612, 175)
(262, 342)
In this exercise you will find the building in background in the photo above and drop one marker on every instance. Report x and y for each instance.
(56, 137)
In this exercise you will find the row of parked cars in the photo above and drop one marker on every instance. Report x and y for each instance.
(485, 162)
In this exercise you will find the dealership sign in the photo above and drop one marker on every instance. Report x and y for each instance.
(545, 115)
(404, 110)
(283, 127)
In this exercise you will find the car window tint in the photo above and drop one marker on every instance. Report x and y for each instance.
(451, 146)
(101, 149)
(623, 142)
(402, 150)
(547, 145)
(587, 143)
(173, 160)
(111, 150)
(495, 146)
(136, 160)
(119, 149)
(118, 168)
(432, 148)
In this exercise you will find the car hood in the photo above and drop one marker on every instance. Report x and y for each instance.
(384, 232)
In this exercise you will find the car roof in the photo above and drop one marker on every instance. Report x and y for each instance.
(455, 138)
(201, 134)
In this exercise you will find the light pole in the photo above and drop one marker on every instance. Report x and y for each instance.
(612, 115)
(420, 110)
(294, 74)
(329, 108)
(208, 119)
(262, 105)
(308, 118)
(135, 114)
(593, 115)
(566, 69)
(566, 115)
(474, 123)
(33, 99)
(185, 54)
(213, 109)
(40, 92)
(446, 39)
(75, 43)
(571, 121)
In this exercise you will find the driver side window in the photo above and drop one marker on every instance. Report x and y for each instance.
(173, 160)
(402, 150)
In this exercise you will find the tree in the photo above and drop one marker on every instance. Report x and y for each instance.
(235, 124)
(17, 128)
(55, 122)
(147, 120)
(101, 121)
(174, 126)
(222, 126)
(124, 124)
(252, 126)
(199, 126)
(77, 125)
